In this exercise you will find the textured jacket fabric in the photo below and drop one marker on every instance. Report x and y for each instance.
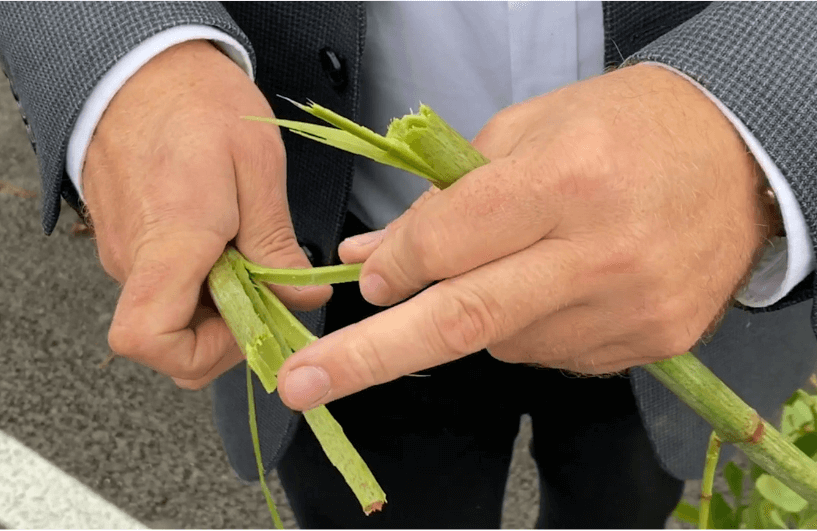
(757, 58)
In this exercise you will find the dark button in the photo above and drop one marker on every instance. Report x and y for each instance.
(29, 132)
(335, 67)
(312, 252)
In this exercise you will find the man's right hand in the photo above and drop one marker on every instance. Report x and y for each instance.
(172, 175)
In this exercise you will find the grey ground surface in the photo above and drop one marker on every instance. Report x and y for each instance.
(125, 432)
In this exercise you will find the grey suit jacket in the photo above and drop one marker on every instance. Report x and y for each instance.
(758, 59)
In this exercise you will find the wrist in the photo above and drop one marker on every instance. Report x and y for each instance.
(183, 83)
(128, 66)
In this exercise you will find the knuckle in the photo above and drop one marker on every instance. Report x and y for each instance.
(275, 240)
(195, 374)
(430, 248)
(584, 157)
(666, 324)
(147, 278)
(465, 322)
(190, 385)
(648, 310)
(400, 272)
(366, 363)
(109, 258)
(162, 210)
(620, 256)
(422, 242)
(126, 341)
(272, 145)
(263, 150)
(607, 360)
(489, 132)
(404, 256)
(592, 136)
(498, 137)
(678, 344)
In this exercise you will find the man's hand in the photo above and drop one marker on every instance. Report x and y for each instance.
(611, 229)
(171, 176)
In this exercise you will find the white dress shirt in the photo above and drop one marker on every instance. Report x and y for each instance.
(467, 61)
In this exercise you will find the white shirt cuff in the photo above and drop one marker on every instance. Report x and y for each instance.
(127, 66)
(787, 261)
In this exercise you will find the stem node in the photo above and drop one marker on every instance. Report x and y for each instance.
(759, 432)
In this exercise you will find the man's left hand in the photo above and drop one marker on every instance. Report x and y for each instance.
(612, 228)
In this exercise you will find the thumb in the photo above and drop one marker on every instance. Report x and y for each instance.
(266, 235)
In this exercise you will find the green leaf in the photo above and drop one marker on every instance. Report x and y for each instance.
(755, 472)
(763, 515)
(808, 399)
(734, 478)
(686, 512)
(799, 413)
(779, 494)
(809, 523)
(795, 396)
(807, 443)
(776, 519)
(740, 519)
(721, 514)
(750, 518)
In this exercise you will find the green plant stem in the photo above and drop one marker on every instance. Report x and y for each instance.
(713, 451)
(737, 423)
(346, 459)
(246, 316)
(295, 334)
(422, 143)
(266, 332)
(256, 444)
(305, 277)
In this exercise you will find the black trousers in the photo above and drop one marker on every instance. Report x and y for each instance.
(440, 445)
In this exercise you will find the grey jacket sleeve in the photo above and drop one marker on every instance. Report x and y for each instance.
(760, 60)
(54, 53)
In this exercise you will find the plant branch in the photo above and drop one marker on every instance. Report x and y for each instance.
(713, 451)
(737, 423)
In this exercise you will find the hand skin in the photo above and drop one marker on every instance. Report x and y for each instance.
(172, 175)
(612, 228)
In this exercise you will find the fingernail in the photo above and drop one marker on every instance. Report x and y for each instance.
(305, 386)
(271, 285)
(365, 238)
(304, 288)
(374, 289)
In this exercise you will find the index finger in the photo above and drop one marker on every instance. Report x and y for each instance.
(448, 321)
(494, 211)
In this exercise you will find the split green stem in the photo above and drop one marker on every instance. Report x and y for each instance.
(256, 446)
(267, 334)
